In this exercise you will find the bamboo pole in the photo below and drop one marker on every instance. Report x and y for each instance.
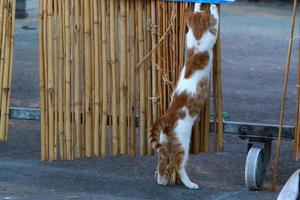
(6, 73)
(88, 79)
(55, 40)
(128, 51)
(2, 66)
(62, 146)
(132, 61)
(78, 80)
(153, 61)
(12, 38)
(220, 93)
(68, 80)
(141, 79)
(123, 78)
(97, 81)
(50, 88)
(115, 145)
(282, 110)
(206, 137)
(104, 79)
(148, 74)
(297, 124)
(42, 81)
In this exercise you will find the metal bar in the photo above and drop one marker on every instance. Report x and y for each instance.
(242, 129)
(24, 113)
(255, 129)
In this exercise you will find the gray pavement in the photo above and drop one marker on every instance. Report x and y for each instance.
(254, 46)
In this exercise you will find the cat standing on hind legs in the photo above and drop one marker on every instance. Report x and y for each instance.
(170, 134)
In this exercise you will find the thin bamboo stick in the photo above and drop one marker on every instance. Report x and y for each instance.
(12, 36)
(3, 61)
(62, 146)
(42, 82)
(68, 81)
(114, 81)
(104, 80)
(282, 110)
(141, 79)
(6, 74)
(206, 135)
(297, 123)
(133, 41)
(97, 81)
(153, 61)
(123, 78)
(55, 40)
(78, 80)
(88, 79)
(220, 93)
(50, 88)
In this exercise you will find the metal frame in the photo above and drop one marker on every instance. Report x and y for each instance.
(243, 129)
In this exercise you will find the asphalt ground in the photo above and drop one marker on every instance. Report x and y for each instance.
(254, 48)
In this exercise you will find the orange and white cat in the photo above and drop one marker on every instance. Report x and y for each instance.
(170, 135)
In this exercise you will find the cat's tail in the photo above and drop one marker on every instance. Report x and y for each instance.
(154, 135)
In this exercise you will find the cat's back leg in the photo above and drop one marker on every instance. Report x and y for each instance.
(184, 176)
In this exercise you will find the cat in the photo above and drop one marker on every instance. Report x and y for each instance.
(170, 134)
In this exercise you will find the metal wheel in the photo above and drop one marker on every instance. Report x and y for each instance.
(254, 169)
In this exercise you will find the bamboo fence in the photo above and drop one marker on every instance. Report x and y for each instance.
(297, 124)
(107, 72)
(7, 29)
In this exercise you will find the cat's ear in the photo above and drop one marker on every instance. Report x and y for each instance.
(188, 14)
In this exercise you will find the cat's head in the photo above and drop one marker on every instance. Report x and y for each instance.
(198, 22)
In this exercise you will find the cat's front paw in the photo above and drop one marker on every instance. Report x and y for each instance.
(192, 186)
(214, 11)
(197, 7)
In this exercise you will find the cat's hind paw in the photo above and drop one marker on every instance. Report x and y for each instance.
(161, 180)
(192, 186)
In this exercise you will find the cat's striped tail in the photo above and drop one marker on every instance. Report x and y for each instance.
(153, 138)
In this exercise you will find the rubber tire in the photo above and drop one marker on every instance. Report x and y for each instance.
(254, 171)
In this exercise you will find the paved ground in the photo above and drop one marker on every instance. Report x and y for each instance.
(220, 175)
(255, 40)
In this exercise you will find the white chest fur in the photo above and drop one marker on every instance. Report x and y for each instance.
(190, 84)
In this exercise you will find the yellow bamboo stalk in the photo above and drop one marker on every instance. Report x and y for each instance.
(196, 138)
(159, 58)
(55, 39)
(128, 51)
(88, 79)
(77, 79)
(42, 81)
(123, 78)
(217, 56)
(46, 79)
(114, 77)
(153, 61)
(206, 133)
(142, 99)
(97, 80)
(2, 61)
(50, 89)
(104, 79)
(62, 146)
(132, 62)
(12, 37)
(297, 124)
(68, 81)
(6, 74)
(284, 92)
